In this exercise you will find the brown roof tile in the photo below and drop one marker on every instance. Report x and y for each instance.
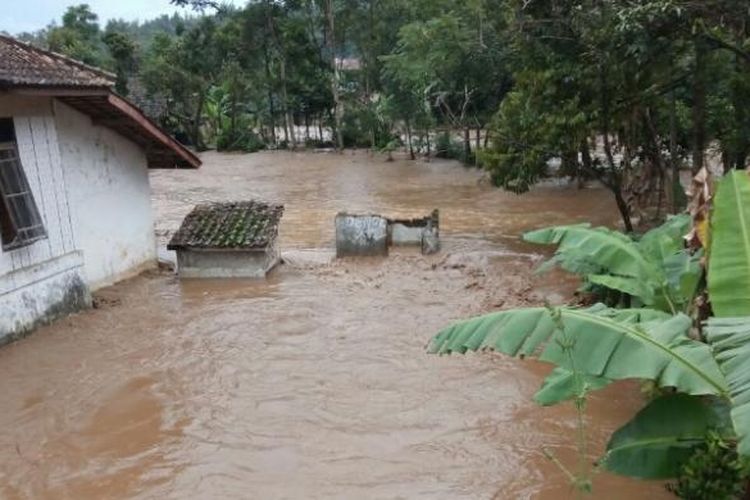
(22, 64)
(229, 226)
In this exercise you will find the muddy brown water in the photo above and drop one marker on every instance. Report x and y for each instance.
(313, 383)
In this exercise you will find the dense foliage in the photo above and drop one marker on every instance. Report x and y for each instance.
(687, 335)
(625, 92)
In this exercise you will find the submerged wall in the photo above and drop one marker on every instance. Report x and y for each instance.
(193, 263)
(40, 294)
(371, 235)
(361, 235)
(110, 198)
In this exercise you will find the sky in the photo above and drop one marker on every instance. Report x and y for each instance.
(31, 15)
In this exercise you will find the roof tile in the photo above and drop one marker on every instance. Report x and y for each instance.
(243, 225)
(22, 64)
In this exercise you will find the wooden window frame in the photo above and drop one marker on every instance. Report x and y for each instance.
(21, 223)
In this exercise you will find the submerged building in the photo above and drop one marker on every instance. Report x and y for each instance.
(228, 240)
(75, 207)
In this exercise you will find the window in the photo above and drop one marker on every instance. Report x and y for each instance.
(20, 222)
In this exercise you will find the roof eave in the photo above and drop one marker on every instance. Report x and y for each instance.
(183, 156)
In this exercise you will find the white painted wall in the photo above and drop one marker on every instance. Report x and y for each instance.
(107, 180)
(91, 186)
(42, 279)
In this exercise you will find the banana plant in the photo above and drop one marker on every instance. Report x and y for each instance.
(656, 269)
(711, 380)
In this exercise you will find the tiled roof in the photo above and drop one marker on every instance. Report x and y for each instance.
(22, 64)
(229, 226)
(91, 91)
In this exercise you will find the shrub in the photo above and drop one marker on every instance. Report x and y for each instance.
(242, 140)
(714, 471)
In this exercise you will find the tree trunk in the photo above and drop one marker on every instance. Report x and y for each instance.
(614, 180)
(587, 164)
(622, 207)
(699, 104)
(467, 144)
(330, 41)
(674, 181)
(307, 125)
(269, 79)
(288, 120)
(196, 123)
(409, 141)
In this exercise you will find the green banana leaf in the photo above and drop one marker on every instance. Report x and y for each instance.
(729, 258)
(626, 284)
(607, 344)
(730, 341)
(561, 385)
(684, 271)
(662, 436)
(656, 270)
(661, 242)
(601, 247)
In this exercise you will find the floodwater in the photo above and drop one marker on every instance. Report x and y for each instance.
(313, 383)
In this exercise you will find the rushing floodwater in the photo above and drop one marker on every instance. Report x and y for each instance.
(314, 383)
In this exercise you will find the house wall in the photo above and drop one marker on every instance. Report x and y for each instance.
(109, 195)
(227, 263)
(44, 280)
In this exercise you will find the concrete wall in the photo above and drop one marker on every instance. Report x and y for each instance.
(44, 280)
(226, 264)
(109, 196)
(370, 235)
(361, 235)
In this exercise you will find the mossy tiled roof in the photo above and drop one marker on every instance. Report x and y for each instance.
(22, 64)
(229, 226)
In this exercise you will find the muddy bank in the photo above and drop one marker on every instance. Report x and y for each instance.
(314, 383)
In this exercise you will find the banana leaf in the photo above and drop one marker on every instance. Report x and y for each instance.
(730, 341)
(606, 343)
(662, 436)
(600, 247)
(661, 242)
(561, 385)
(615, 261)
(729, 258)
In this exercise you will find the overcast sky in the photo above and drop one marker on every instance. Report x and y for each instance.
(30, 15)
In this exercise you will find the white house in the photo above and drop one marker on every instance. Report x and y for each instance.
(75, 210)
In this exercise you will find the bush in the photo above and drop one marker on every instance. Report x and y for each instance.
(242, 140)
(356, 129)
(319, 144)
(452, 149)
(715, 471)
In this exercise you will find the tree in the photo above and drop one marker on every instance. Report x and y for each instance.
(595, 345)
(186, 67)
(122, 50)
(78, 37)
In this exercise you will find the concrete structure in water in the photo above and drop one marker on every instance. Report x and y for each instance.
(75, 208)
(372, 235)
(228, 240)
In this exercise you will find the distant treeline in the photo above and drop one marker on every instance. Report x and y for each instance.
(624, 92)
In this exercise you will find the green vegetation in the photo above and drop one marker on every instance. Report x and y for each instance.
(624, 93)
(627, 93)
(697, 428)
